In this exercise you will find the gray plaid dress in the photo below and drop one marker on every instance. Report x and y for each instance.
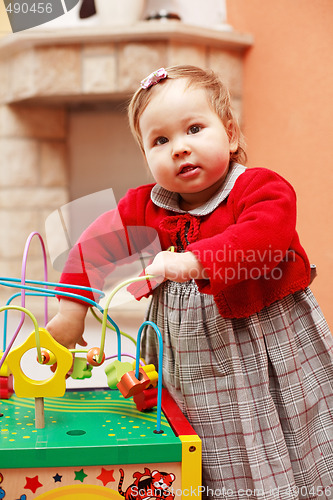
(257, 390)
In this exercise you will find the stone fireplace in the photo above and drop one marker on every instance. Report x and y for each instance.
(63, 128)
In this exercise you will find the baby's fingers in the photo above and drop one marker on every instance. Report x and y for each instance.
(158, 267)
(157, 273)
(82, 342)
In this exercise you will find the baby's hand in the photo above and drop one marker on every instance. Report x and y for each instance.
(179, 267)
(67, 326)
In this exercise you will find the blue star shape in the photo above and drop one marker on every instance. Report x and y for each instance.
(57, 478)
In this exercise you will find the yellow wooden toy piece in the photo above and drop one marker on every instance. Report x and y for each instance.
(150, 371)
(191, 463)
(55, 386)
(152, 374)
(4, 370)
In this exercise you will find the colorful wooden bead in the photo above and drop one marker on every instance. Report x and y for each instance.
(130, 385)
(48, 358)
(93, 356)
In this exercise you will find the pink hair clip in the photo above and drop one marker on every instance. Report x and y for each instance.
(153, 78)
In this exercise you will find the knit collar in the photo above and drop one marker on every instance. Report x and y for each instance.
(170, 200)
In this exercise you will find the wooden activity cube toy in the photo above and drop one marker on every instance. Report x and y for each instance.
(96, 445)
(129, 440)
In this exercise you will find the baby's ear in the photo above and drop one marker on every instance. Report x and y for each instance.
(233, 145)
(233, 134)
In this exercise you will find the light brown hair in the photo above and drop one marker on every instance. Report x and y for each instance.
(218, 96)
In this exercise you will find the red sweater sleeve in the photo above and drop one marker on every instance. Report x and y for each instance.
(263, 206)
(115, 238)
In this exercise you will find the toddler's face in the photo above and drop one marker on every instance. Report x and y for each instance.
(185, 142)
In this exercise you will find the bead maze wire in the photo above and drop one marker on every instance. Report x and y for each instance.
(46, 289)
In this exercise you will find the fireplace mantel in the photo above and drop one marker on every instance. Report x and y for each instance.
(141, 31)
(100, 62)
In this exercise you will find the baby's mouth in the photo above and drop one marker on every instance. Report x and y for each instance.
(187, 168)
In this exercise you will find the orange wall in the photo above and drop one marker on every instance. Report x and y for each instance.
(288, 113)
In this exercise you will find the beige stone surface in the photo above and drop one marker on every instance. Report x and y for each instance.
(3, 124)
(34, 271)
(38, 122)
(8, 267)
(99, 70)
(54, 164)
(229, 65)
(237, 106)
(57, 70)
(60, 65)
(30, 198)
(179, 53)
(4, 80)
(15, 227)
(22, 76)
(150, 31)
(137, 60)
(98, 49)
(18, 162)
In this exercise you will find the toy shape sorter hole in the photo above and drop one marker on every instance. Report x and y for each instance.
(76, 432)
(32, 368)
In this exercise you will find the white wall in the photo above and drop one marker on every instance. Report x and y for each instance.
(211, 13)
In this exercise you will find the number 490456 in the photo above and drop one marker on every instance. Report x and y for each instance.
(24, 8)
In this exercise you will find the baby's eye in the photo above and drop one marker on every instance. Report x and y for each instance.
(160, 140)
(194, 129)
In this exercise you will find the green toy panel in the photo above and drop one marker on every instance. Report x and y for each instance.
(93, 427)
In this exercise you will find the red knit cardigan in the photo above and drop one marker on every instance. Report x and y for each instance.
(248, 245)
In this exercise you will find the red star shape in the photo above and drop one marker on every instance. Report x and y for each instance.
(106, 476)
(32, 484)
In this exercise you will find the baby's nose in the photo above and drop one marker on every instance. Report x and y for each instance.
(181, 150)
(181, 153)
